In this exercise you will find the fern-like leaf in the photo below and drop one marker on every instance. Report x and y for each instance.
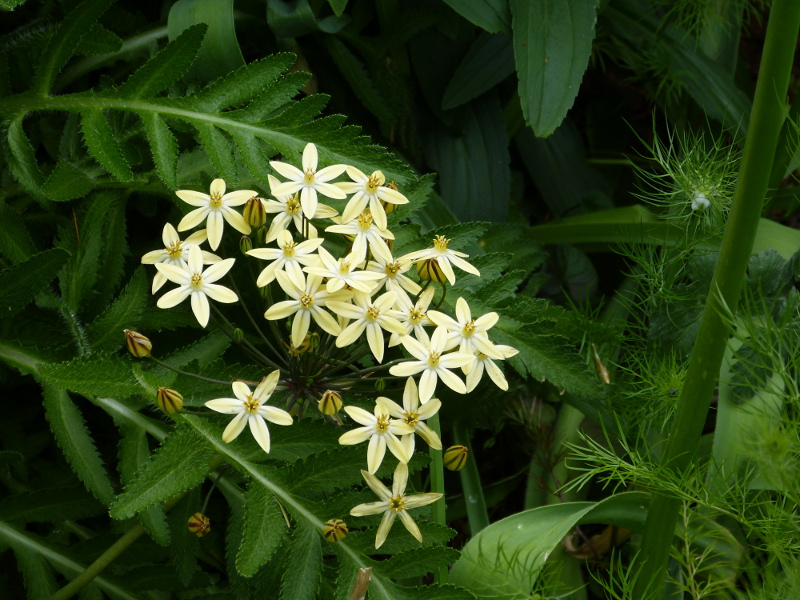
(263, 530)
(303, 565)
(164, 147)
(103, 145)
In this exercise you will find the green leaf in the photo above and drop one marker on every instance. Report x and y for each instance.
(263, 530)
(220, 150)
(103, 145)
(166, 67)
(20, 283)
(303, 564)
(504, 560)
(419, 562)
(75, 441)
(489, 60)
(37, 574)
(21, 157)
(111, 267)
(338, 6)
(105, 332)
(205, 351)
(99, 40)
(552, 45)
(180, 463)
(93, 375)
(65, 42)
(473, 167)
(219, 53)
(16, 243)
(491, 15)
(50, 505)
(164, 148)
(67, 182)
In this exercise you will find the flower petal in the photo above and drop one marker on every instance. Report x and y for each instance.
(235, 427)
(260, 431)
(200, 308)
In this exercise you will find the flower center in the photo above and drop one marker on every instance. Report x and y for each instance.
(412, 418)
(468, 329)
(416, 315)
(288, 249)
(433, 359)
(251, 404)
(309, 176)
(306, 301)
(197, 280)
(344, 267)
(364, 220)
(397, 504)
(382, 424)
(440, 243)
(374, 182)
(293, 205)
(174, 251)
(373, 313)
(392, 269)
(215, 199)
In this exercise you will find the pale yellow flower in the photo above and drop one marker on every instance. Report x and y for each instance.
(176, 252)
(393, 503)
(381, 431)
(414, 415)
(368, 190)
(287, 210)
(365, 234)
(393, 277)
(444, 257)
(413, 315)
(196, 283)
(370, 316)
(343, 272)
(309, 181)
(216, 208)
(470, 335)
(251, 410)
(482, 362)
(290, 257)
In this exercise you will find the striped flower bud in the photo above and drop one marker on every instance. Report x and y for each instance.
(169, 400)
(455, 457)
(254, 212)
(138, 345)
(334, 530)
(245, 244)
(238, 335)
(380, 384)
(330, 403)
(199, 524)
(430, 269)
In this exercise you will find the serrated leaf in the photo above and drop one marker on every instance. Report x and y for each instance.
(255, 154)
(491, 15)
(219, 53)
(111, 267)
(419, 562)
(263, 530)
(205, 350)
(93, 375)
(50, 505)
(180, 463)
(184, 544)
(220, 150)
(474, 172)
(274, 97)
(67, 182)
(123, 313)
(16, 243)
(552, 45)
(166, 67)
(303, 564)
(75, 441)
(40, 582)
(103, 145)
(99, 40)
(489, 60)
(65, 41)
(164, 148)
(20, 283)
(21, 157)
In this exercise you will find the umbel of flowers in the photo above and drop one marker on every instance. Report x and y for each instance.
(342, 305)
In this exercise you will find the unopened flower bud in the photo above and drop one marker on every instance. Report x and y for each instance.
(305, 345)
(238, 335)
(330, 403)
(138, 345)
(455, 457)
(430, 269)
(313, 341)
(245, 244)
(334, 530)
(262, 235)
(199, 524)
(169, 400)
(380, 384)
(254, 212)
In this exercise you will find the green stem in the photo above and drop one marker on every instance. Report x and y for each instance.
(471, 483)
(437, 486)
(726, 285)
(179, 372)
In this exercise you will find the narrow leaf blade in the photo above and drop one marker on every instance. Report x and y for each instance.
(263, 530)
(103, 145)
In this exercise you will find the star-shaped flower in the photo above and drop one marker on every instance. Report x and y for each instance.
(381, 431)
(370, 317)
(309, 181)
(287, 210)
(444, 258)
(307, 301)
(289, 257)
(215, 206)
(176, 252)
(343, 272)
(365, 233)
(393, 503)
(368, 190)
(467, 333)
(413, 315)
(196, 283)
(414, 415)
(250, 409)
(482, 362)
(393, 277)
(432, 363)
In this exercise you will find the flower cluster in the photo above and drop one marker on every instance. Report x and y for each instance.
(342, 306)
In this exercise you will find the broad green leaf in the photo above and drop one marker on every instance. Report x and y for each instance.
(99, 40)
(504, 560)
(164, 148)
(474, 173)
(105, 331)
(219, 53)
(263, 530)
(491, 15)
(552, 45)
(490, 60)
(94, 375)
(64, 43)
(75, 441)
(166, 67)
(50, 505)
(419, 562)
(21, 157)
(40, 583)
(181, 463)
(303, 565)
(20, 283)
(103, 145)
(67, 182)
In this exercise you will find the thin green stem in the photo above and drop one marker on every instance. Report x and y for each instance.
(437, 487)
(726, 285)
(471, 483)
(179, 372)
